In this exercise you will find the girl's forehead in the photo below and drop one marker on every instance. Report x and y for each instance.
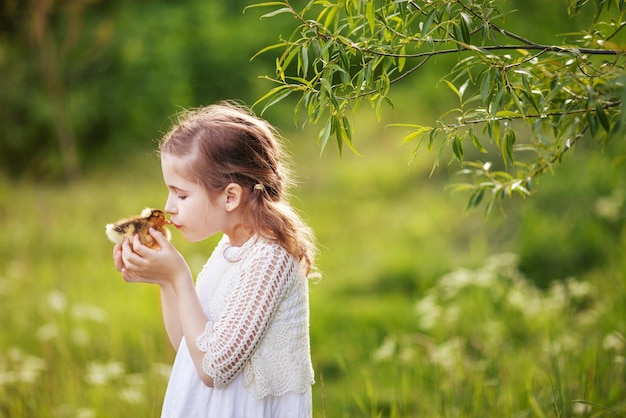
(174, 162)
(175, 167)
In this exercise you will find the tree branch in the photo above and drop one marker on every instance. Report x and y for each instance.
(604, 106)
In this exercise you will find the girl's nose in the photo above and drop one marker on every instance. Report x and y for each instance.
(169, 207)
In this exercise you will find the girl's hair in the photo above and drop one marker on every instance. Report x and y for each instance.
(226, 143)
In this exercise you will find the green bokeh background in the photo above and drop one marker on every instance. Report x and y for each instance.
(422, 310)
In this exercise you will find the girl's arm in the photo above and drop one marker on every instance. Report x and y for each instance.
(169, 303)
(182, 312)
(171, 315)
(229, 343)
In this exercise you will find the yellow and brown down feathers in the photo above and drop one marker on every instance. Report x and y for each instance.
(128, 227)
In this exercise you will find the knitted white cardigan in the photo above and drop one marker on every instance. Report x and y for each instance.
(259, 319)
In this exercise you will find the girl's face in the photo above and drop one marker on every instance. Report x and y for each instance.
(192, 211)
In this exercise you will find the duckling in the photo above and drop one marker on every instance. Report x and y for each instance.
(128, 227)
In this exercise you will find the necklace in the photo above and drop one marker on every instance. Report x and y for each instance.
(231, 253)
(234, 253)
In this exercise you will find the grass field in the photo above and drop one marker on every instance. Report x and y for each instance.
(422, 311)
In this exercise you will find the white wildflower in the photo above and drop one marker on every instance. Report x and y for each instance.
(89, 313)
(451, 283)
(31, 369)
(103, 373)
(48, 331)
(610, 207)
(132, 395)
(504, 264)
(85, 413)
(428, 312)
(526, 299)
(386, 350)
(21, 368)
(613, 341)
(80, 337)
(8, 377)
(448, 354)
(581, 408)
(578, 289)
(57, 301)
(162, 369)
(557, 296)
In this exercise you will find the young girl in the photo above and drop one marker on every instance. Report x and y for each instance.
(242, 332)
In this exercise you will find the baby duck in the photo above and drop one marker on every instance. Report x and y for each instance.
(128, 227)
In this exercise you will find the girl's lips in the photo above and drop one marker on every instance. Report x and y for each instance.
(176, 225)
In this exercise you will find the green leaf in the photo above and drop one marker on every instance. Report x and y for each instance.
(286, 60)
(337, 128)
(476, 141)
(507, 149)
(485, 87)
(414, 133)
(304, 60)
(402, 58)
(273, 92)
(324, 134)
(431, 138)
(277, 12)
(266, 4)
(508, 114)
(370, 15)
(277, 98)
(458, 35)
(497, 100)
(593, 125)
(332, 12)
(442, 147)
(463, 88)
(465, 33)
(603, 118)
(489, 205)
(475, 199)
(453, 88)
(531, 98)
(268, 48)
(457, 148)
(427, 23)
(346, 129)
(493, 130)
(538, 130)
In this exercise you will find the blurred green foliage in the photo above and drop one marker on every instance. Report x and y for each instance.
(420, 311)
(108, 75)
(391, 239)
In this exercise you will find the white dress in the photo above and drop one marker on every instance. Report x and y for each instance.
(256, 342)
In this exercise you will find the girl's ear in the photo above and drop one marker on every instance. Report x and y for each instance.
(233, 194)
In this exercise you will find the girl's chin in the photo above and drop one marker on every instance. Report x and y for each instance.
(192, 237)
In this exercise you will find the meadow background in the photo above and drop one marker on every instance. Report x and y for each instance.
(423, 310)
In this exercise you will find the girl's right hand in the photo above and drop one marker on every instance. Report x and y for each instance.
(117, 256)
(164, 265)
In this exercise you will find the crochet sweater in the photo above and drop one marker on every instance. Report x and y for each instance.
(258, 308)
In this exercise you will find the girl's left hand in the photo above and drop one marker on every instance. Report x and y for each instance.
(143, 264)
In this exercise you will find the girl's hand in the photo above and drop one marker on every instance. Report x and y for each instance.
(117, 257)
(143, 264)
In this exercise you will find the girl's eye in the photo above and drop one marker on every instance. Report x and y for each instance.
(181, 197)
